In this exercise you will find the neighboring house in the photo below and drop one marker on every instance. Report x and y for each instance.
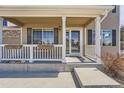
(51, 33)
(122, 37)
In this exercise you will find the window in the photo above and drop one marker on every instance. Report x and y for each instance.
(114, 10)
(43, 36)
(91, 37)
(48, 37)
(37, 36)
(109, 37)
(29, 35)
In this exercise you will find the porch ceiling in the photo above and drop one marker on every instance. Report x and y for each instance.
(71, 21)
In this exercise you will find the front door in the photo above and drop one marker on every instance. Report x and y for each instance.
(73, 42)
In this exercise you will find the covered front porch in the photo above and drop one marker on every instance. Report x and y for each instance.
(53, 33)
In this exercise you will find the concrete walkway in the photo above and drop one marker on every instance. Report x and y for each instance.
(37, 80)
(92, 77)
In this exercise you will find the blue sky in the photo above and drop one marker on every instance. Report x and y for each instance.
(122, 15)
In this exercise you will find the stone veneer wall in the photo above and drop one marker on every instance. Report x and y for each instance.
(11, 36)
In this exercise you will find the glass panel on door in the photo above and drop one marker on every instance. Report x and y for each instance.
(75, 41)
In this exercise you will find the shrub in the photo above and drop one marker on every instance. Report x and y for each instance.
(113, 63)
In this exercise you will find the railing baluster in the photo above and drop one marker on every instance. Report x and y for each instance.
(37, 52)
(42, 53)
(15, 54)
(47, 54)
(10, 54)
(3, 52)
(54, 52)
(57, 52)
(25, 51)
(20, 53)
(50, 54)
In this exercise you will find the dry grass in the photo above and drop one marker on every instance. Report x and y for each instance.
(113, 63)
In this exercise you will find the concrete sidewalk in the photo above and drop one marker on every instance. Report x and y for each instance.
(37, 80)
(94, 78)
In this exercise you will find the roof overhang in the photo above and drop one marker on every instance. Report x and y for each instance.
(22, 15)
(55, 10)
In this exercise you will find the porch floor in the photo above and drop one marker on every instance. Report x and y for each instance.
(78, 60)
(71, 60)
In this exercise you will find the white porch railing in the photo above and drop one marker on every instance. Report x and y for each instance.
(31, 52)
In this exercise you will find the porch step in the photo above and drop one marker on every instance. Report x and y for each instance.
(94, 78)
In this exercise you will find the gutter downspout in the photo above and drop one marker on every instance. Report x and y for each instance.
(106, 14)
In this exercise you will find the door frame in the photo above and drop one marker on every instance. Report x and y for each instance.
(81, 41)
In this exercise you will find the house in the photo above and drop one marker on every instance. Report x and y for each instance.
(51, 33)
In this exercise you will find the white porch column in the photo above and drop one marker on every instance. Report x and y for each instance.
(98, 39)
(1, 28)
(64, 37)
